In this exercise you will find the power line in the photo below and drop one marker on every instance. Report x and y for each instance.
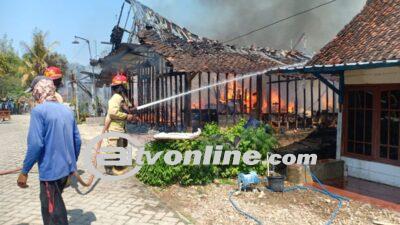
(281, 20)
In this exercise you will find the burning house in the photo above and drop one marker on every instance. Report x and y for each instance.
(163, 60)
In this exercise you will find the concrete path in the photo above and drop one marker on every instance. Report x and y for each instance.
(122, 202)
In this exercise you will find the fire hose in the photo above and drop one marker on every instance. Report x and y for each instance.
(322, 190)
(75, 177)
(6, 172)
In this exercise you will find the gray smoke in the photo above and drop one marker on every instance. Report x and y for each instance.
(225, 19)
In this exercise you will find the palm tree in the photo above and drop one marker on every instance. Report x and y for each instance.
(36, 57)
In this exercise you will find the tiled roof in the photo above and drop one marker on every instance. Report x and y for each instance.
(372, 35)
(207, 55)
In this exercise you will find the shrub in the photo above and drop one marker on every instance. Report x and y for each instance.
(159, 174)
(233, 138)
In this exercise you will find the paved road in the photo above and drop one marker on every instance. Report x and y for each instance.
(122, 202)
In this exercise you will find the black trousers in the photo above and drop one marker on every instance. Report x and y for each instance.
(53, 207)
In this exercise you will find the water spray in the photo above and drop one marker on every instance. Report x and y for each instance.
(244, 76)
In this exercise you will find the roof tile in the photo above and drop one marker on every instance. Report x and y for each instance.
(372, 35)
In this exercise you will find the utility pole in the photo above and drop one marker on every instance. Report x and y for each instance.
(93, 88)
(75, 95)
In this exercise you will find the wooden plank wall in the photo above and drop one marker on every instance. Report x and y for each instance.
(288, 101)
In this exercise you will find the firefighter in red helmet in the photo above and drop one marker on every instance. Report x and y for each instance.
(117, 116)
(56, 75)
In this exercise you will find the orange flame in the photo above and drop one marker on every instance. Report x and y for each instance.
(247, 95)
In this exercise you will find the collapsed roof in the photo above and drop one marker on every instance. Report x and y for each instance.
(372, 35)
(143, 17)
(188, 52)
(206, 55)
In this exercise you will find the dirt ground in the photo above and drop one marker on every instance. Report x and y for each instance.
(206, 205)
(209, 204)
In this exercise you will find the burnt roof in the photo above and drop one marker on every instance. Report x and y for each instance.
(205, 55)
(372, 35)
(188, 52)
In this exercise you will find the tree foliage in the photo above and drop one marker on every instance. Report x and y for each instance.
(17, 72)
(10, 70)
(39, 55)
(9, 60)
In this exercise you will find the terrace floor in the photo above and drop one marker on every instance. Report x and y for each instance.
(367, 191)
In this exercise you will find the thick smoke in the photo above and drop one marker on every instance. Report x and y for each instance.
(225, 19)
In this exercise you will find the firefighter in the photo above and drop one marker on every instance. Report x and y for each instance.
(56, 75)
(117, 117)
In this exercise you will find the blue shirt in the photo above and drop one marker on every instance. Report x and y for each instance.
(53, 141)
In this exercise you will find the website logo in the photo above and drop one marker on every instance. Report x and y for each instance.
(136, 155)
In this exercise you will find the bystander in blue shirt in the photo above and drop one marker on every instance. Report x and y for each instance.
(53, 141)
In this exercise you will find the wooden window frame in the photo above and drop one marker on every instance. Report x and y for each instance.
(376, 89)
(388, 145)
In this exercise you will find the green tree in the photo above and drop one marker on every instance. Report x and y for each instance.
(56, 59)
(10, 70)
(9, 61)
(39, 55)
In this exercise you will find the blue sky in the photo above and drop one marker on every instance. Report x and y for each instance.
(63, 19)
(94, 19)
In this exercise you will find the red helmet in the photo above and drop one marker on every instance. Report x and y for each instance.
(119, 79)
(53, 72)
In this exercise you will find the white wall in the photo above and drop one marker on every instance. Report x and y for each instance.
(339, 135)
(373, 171)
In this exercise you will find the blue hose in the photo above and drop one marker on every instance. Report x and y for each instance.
(339, 198)
(324, 191)
(241, 211)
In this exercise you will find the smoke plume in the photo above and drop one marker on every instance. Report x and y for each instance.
(225, 19)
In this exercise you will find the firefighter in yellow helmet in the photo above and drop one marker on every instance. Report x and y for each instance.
(56, 75)
(117, 116)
